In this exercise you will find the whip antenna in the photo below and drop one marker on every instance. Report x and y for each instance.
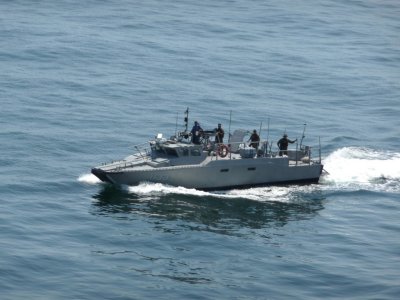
(186, 119)
(303, 136)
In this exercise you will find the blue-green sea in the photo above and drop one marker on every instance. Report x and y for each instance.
(82, 82)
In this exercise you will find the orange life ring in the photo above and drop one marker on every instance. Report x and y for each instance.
(222, 150)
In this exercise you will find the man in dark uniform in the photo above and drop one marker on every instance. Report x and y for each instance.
(283, 144)
(196, 133)
(219, 135)
(255, 139)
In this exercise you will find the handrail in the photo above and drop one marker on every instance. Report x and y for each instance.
(267, 149)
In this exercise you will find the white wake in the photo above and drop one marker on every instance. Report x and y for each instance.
(89, 179)
(363, 168)
(270, 193)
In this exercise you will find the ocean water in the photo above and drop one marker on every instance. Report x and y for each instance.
(82, 82)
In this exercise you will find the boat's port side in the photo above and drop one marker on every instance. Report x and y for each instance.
(180, 162)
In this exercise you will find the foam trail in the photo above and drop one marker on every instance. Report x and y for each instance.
(89, 179)
(161, 189)
(262, 194)
(365, 168)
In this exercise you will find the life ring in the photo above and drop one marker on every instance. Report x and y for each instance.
(222, 150)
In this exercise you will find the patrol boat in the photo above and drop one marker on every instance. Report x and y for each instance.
(177, 161)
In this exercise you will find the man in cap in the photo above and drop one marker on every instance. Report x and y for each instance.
(283, 144)
(196, 133)
(219, 134)
(255, 139)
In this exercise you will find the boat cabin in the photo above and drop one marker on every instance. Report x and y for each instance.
(175, 152)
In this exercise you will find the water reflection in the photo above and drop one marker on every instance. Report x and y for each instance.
(209, 212)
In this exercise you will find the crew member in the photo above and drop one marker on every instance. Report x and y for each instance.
(196, 133)
(219, 134)
(255, 139)
(283, 144)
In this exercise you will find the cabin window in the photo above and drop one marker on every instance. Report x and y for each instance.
(224, 170)
(170, 151)
(195, 152)
(251, 169)
(185, 152)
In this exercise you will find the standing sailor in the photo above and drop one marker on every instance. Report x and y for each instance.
(283, 144)
(255, 139)
(219, 135)
(196, 133)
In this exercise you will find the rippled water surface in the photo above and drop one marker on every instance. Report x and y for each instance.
(82, 82)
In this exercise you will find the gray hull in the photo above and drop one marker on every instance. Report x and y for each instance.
(219, 174)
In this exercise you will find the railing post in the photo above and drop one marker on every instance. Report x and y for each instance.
(319, 149)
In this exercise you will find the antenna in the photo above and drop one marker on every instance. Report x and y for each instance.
(229, 133)
(186, 119)
(266, 146)
(303, 136)
(176, 125)
(229, 130)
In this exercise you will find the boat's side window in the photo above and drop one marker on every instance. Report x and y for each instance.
(185, 152)
(195, 152)
(171, 152)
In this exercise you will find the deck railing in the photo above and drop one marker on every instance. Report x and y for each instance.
(303, 154)
(299, 154)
